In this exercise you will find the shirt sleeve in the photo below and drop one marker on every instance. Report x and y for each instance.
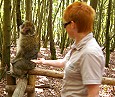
(92, 66)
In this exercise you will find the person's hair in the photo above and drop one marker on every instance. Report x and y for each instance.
(82, 14)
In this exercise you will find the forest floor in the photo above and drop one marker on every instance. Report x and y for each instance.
(53, 85)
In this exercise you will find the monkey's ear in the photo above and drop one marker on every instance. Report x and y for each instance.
(21, 27)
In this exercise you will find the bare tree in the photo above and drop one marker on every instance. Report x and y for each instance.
(108, 34)
(52, 48)
(28, 6)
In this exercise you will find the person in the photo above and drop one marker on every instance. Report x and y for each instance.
(84, 63)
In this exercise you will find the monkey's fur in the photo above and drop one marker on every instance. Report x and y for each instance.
(27, 49)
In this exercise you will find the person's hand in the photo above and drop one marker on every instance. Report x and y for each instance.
(38, 61)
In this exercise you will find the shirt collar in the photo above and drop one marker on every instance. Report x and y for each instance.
(81, 44)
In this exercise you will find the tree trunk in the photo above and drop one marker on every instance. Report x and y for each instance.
(97, 33)
(6, 34)
(6, 40)
(0, 42)
(18, 14)
(93, 3)
(28, 10)
(40, 21)
(107, 34)
(64, 37)
(52, 48)
(14, 23)
(64, 34)
(113, 44)
(1, 34)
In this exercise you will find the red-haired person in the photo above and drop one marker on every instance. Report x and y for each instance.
(84, 63)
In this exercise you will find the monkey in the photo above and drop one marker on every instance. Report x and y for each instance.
(27, 49)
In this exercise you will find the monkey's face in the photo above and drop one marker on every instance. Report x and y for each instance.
(27, 28)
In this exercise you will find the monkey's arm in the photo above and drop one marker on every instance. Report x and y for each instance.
(24, 64)
(31, 54)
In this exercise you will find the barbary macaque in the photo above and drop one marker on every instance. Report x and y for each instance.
(27, 49)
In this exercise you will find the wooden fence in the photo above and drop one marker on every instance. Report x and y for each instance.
(28, 85)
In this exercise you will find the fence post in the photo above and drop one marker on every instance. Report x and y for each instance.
(31, 81)
(10, 81)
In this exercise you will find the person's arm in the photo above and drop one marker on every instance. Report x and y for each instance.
(55, 63)
(93, 90)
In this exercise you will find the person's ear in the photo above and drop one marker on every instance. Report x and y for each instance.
(73, 24)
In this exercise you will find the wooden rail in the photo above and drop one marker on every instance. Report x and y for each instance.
(30, 88)
(20, 88)
(58, 74)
